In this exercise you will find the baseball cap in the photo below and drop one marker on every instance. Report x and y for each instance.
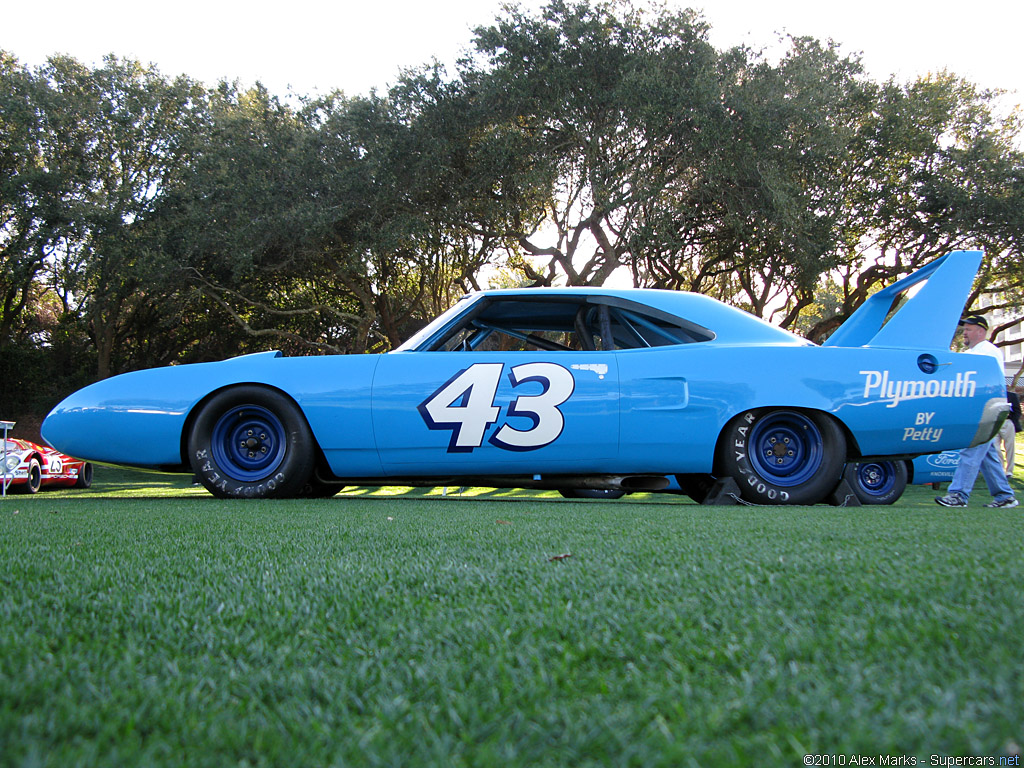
(975, 320)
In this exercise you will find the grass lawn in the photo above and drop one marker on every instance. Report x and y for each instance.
(144, 623)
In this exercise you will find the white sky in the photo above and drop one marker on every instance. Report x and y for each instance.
(314, 46)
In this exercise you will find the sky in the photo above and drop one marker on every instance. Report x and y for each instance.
(316, 46)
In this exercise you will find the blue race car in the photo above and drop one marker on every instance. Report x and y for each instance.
(934, 468)
(575, 388)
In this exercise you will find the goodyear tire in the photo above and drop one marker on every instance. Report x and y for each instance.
(251, 442)
(877, 482)
(782, 455)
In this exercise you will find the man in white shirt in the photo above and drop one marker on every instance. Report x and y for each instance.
(985, 457)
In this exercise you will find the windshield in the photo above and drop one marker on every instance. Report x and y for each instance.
(438, 323)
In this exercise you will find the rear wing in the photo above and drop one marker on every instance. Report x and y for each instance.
(920, 311)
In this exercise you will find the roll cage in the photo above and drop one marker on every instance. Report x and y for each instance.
(561, 323)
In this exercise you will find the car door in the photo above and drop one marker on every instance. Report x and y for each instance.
(475, 412)
(665, 428)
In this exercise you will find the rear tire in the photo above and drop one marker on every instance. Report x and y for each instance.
(35, 478)
(252, 442)
(877, 482)
(84, 476)
(782, 455)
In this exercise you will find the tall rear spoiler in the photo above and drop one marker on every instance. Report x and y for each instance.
(924, 319)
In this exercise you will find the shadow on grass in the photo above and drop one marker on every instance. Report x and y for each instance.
(122, 483)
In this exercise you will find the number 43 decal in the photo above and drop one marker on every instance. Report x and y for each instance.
(465, 405)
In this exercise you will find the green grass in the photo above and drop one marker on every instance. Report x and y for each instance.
(144, 623)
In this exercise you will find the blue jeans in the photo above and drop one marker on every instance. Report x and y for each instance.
(986, 458)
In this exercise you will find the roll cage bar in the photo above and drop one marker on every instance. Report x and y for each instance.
(616, 323)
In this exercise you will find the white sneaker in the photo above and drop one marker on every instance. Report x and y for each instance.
(1004, 504)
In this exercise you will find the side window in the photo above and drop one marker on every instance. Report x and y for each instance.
(523, 323)
(458, 341)
(518, 325)
(616, 327)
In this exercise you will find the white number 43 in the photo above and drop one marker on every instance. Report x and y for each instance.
(465, 405)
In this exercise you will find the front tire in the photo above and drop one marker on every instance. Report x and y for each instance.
(877, 482)
(782, 455)
(252, 442)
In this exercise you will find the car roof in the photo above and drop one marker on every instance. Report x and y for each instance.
(729, 324)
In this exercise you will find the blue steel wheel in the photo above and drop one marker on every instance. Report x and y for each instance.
(248, 442)
(782, 456)
(251, 442)
(877, 482)
(786, 447)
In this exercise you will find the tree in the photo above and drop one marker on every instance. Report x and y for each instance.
(156, 221)
(933, 169)
(126, 135)
(719, 173)
(762, 215)
(39, 173)
(345, 224)
(599, 99)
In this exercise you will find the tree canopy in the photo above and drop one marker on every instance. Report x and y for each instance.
(148, 220)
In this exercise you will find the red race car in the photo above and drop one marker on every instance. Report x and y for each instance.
(27, 467)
